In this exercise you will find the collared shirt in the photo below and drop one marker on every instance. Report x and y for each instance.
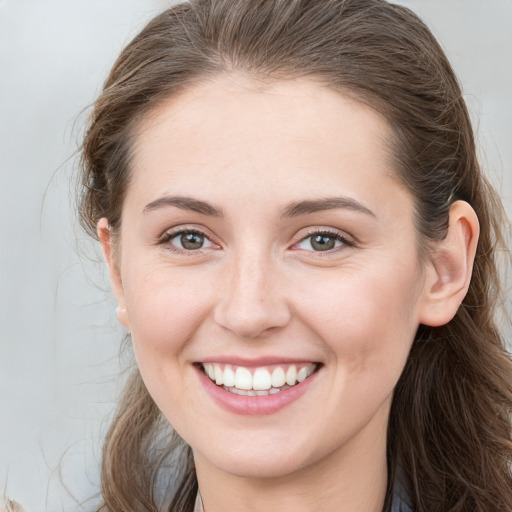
(398, 504)
(198, 507)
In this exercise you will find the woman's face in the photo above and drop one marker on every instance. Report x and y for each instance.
(264, 237)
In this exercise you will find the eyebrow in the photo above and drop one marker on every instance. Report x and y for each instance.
(299, 208)
(294, 209)
(185, 203)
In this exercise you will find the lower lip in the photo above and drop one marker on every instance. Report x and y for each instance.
(254, 405)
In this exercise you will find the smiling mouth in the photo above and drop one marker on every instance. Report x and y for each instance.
(260, 381)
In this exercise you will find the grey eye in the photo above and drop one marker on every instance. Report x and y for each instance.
(321, 242)
(190, 241)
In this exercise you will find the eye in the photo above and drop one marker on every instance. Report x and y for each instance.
(322, 241)
(188, 240)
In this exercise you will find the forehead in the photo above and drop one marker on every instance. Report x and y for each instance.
(242, 133)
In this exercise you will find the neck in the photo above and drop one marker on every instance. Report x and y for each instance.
(353, 478)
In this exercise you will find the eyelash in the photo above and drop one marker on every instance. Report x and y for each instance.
(338, 237)
(167, 237)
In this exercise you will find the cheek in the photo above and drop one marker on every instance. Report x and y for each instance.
(367, 322)
(165, 309)
(365, 316)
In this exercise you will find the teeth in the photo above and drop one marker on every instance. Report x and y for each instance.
(271, 391)
(291, 375)
(243, 378)
(302, 374)
(278, 377)
(210, 371)
(261, 380)
(261, 383)
(229, 377)
(219, 374)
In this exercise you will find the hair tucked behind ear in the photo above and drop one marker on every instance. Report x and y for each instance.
(449, 438)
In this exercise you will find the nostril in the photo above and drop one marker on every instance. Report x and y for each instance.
(252, 321)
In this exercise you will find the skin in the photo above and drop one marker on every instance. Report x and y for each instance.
(257, 288)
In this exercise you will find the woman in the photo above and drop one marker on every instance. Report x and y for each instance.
(302, 247)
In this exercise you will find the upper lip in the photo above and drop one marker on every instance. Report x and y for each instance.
(259, 361)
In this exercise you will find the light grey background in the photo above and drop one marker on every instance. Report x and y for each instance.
(58, 336)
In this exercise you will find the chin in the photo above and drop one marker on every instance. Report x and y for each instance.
(262, 467)
(273, 459)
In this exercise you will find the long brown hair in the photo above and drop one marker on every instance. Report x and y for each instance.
(449, 435)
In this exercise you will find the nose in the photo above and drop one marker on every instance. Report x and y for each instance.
(252, 302)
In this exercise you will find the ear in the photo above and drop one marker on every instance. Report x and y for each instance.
(450, 267)
(105, 238)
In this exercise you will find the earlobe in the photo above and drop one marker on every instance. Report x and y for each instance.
(122, 315)
(105, 238)
(450, 268)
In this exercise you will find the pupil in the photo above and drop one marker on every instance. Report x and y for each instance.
(192, 241)
(322, 243)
